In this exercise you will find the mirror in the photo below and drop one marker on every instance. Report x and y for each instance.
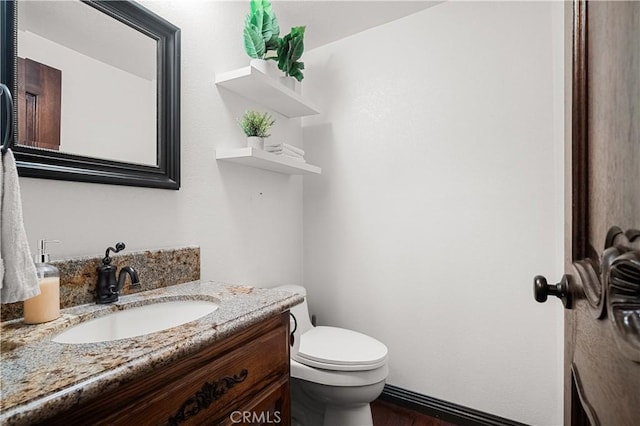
(96, 88)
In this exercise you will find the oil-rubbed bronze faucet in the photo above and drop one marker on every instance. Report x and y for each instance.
(108, 287)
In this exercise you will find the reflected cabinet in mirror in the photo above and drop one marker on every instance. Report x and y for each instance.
(96, 89)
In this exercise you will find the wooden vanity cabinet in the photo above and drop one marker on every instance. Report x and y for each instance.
(243, 379)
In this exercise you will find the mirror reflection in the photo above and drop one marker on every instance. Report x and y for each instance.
(87, 83)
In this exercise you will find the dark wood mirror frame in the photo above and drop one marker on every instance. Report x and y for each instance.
(39, 163)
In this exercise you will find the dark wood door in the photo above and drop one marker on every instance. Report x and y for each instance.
(39, 104)
(601, 286)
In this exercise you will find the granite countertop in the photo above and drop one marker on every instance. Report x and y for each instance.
(39, 377)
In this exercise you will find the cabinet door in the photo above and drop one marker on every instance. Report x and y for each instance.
(272, 407)
(247, 371)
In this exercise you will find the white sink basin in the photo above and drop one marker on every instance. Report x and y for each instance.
(137, 321)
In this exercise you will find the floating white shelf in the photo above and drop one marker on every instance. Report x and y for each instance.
(266, 160)
(257, 86)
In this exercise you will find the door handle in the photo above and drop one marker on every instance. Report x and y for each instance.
(542, 290)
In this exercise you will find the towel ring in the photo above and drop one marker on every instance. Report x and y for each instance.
(8, 132)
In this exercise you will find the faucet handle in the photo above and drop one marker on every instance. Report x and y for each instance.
(119, 247)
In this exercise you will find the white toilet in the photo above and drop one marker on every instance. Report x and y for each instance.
(335, 373)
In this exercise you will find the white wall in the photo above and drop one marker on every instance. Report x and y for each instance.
(437, 204)
(441, 198)
(248, 222)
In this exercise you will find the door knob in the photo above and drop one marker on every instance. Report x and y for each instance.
(541, 290)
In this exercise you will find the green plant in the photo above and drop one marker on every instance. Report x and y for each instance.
(290, 49)
(261, 30)
(255, 123)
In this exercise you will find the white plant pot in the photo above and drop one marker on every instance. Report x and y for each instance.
(289, 82)
(269, 68)
(255, 142)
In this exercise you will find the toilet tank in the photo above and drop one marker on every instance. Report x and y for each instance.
(301, 311)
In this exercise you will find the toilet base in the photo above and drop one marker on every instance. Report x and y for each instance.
(314, 404)
(305, 411)
(351, 415)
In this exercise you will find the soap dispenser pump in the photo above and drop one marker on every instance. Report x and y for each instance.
(46, 306)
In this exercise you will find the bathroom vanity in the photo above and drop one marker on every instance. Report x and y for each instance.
(228, 367)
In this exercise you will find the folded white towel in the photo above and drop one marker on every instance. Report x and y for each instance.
(18, 279)
(293, 148)
(272, 143)
(274, 149)
(292, 157)
(290, 153)
(284, 151)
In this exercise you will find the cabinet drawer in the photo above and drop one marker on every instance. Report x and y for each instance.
(201, 389)
(210, 394)
(272, 407)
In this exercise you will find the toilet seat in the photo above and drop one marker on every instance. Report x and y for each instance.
(338, 349)
(338, 378)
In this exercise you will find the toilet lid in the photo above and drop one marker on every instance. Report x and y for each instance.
(332, 348)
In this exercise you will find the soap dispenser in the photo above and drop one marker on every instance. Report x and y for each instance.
(46, 306)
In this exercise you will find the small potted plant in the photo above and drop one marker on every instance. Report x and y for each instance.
(261, 31)
(290, 49)
(256, 126)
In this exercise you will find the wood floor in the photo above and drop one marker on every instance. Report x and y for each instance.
(385, 414)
